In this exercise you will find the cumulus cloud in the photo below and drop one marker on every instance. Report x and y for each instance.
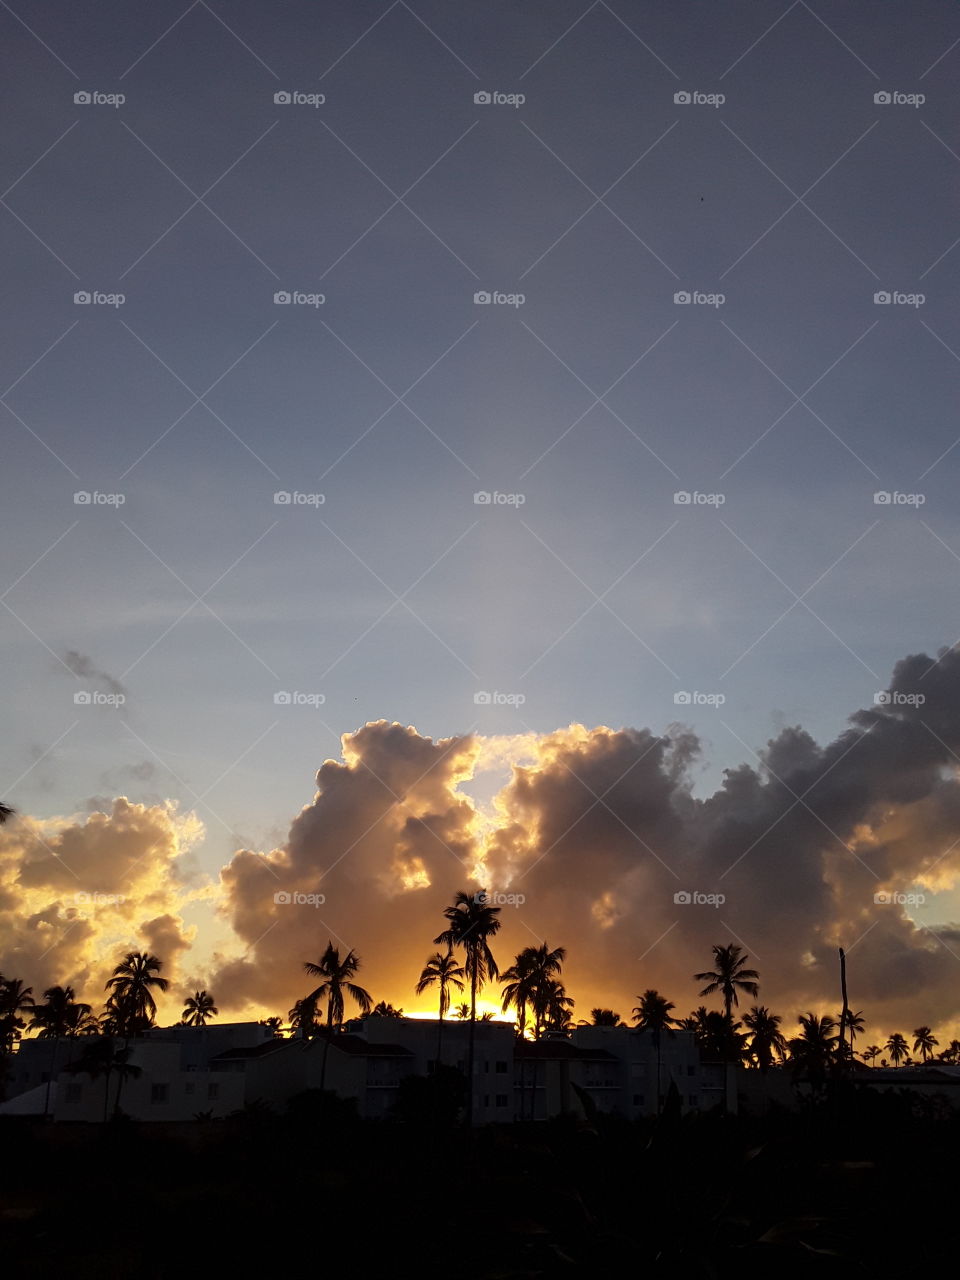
(600, 833)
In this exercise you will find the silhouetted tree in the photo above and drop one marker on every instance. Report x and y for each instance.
(766, 1038)
(924, 1042)
(336, 975)
(198, 1008)
(441, 969)
(730, 976)
(897, 1048)
(131, 989)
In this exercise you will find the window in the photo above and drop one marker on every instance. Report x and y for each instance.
(159, 1093)
(213, 1091)
(501, 1068)
(74, 1093)
(501, 1099)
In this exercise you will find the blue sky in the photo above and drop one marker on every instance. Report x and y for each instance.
(599, 597)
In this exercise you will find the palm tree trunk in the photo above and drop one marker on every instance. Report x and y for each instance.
(470, 1055)
(53, 1063)
(326, 1047)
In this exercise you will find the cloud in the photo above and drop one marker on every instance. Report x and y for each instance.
(86, 669)
(596, 838)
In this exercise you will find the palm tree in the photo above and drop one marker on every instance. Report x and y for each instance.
(925, 1043)
(303, 1017)
(653, 1012)
(897, 1048)
(729, 977)
(951, 1053)
(463, 1012)
(382, 1009)
(604, 1018)
(336, 975)
(441, 968)
(15, 999)
(813, 1050)
(275, 1024)
(470, 924)
(6, 812)
(131, 997)
(871, 1052)
(853, 1024)
(557, 1006)
(59, 1015)
(103, 1058)
(766, 1038)
(198, 1008)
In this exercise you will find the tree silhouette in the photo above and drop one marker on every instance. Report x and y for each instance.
(871, 1052)
(813, 1050)
(441, 969)
(131, 1001)
(604, 1018)
(384, 1010)
(897, 1048)
(60, 1015)
(925, 1042)
(729, 977)
(15, 999)
(471, 923)
(336, 975)
(766, 1038)
(653, 1012)
(198, 1008)
(102, 1057)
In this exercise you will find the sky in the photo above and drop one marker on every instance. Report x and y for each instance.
(539, 419)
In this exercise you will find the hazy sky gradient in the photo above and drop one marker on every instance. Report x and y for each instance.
(599, 198)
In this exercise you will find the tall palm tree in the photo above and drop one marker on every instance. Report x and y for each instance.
(557, 1006)
(336, 975)
(15, 999)
(653, 1014)
(470, 925)
(59, 1015)
(198, 1008)
(897, 1048)
(925, 1043)
(131, 991)
(871, 1052)
(441, 968)
(303, 1017)
(766, 1038)
(730, 976)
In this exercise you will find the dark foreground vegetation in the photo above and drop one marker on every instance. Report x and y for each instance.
(860, 1184)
